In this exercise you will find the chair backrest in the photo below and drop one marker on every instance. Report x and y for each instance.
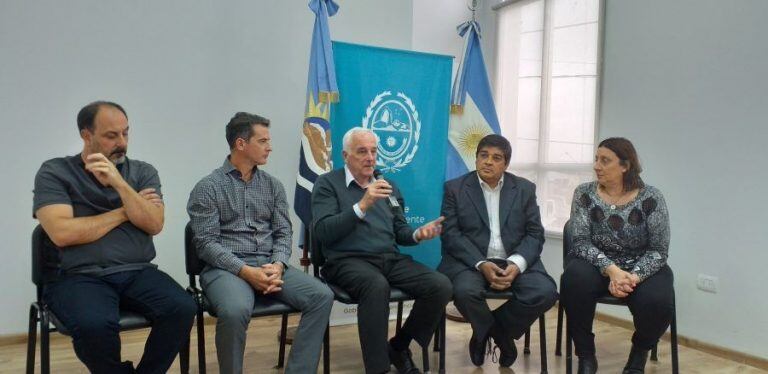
(46, 258)
(315, 248)
(567, 242)
(193, 263)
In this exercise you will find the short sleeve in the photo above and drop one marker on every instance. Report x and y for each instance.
(50, 188)
(149, 178)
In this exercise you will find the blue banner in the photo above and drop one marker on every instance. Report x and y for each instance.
(404, 97)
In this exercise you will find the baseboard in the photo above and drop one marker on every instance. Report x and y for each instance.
(715, 350)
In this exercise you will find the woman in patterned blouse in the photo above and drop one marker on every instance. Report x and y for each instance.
(620, 230)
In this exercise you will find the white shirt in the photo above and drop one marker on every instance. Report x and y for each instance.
(492, 196)
(349, 178)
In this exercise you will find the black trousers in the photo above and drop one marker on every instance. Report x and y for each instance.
(534, 293)
(651, 304)
(89, 307)
(367, 278)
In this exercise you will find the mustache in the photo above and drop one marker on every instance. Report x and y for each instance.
(122, 150)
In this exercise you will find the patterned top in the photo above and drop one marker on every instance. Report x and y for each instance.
(633, 236)
(233, 220)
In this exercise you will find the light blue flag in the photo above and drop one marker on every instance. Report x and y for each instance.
(403, 97)
(315, 151)
(473, 114)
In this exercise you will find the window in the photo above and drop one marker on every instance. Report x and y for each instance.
(547, 95)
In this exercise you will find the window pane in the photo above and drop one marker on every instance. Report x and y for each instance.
(555, 191)
(519, 53)
(571, 119)
(574, 50)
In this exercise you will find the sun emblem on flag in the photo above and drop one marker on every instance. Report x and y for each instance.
(469, 138)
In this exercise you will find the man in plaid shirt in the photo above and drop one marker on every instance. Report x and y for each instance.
(239, 216)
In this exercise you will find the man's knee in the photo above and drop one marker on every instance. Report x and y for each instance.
(94, 328)
(374, 286)
(234, 312)
(442, 287)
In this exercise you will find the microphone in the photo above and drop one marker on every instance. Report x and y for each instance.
(391, 200)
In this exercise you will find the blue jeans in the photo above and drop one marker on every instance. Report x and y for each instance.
(89, 307)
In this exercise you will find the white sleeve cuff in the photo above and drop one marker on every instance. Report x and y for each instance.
(477, 265)
(519, 261)
(414, 235)
(359, 212)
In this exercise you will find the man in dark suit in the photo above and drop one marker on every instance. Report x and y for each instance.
(360, 235)
(492, 238)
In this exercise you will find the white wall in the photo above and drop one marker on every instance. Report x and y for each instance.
(181, 69)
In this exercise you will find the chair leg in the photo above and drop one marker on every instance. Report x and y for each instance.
(442, 344)
(327, 350)
(527, 345)
(655, 352)
(568, 352)
(32, 339)
(673, 341)
(425, 357)
(184, 357)
(543, 343)
(558, 342)
(436, 343)
(399, 316)
(201, 341)
(45, 348)
(283, 332)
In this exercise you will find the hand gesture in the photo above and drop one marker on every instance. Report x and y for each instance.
(622, 283)
(379, 189)
(150, 195)
(261, 279)
(430, 230)
(103, 169)
(493, 274)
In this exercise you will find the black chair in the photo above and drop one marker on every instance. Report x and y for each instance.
(45, 266)
(263, 306)
(395, 295)
(610, 300)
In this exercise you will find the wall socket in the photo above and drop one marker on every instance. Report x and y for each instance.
(706, 283)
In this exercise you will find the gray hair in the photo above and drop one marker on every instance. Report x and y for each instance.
(347, 140)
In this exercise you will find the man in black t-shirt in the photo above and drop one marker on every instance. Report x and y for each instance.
(89, 206)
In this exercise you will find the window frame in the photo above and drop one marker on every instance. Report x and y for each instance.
(541, 166)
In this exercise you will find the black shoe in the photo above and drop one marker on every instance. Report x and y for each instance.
(587, 365)
(477, 349)
(402, 361)
(507, 347)
(636, 362)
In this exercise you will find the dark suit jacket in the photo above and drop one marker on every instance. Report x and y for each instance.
(466, 232)
(338, 228)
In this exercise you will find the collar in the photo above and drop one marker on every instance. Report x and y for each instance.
(486, 185)
(227, 167)
(349, 178)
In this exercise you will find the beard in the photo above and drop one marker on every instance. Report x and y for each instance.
(117, 156)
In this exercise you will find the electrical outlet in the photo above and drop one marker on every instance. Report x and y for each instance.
(706, 283)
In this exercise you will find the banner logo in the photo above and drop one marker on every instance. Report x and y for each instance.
(395, 120)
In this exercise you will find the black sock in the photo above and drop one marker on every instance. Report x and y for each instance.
(400, 342)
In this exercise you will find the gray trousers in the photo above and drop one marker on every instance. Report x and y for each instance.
(232, 299)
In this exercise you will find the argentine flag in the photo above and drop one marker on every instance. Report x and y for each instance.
(473, 115)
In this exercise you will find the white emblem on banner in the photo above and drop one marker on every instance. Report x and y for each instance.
(395, 120)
